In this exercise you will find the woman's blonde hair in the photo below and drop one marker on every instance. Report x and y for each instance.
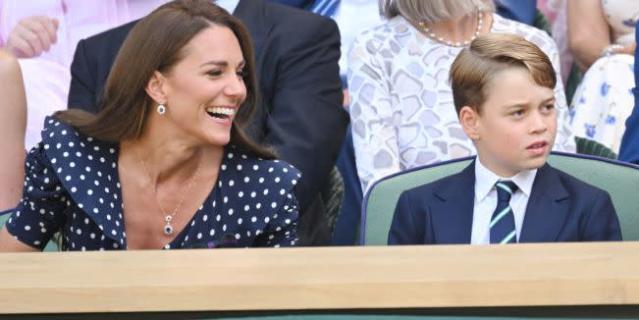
(475, 66)
(430, 11)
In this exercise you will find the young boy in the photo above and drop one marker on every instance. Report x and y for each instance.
(503, 93)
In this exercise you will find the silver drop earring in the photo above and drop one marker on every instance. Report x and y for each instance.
(161, 109)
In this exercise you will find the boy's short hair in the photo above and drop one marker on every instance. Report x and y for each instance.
(486, 56)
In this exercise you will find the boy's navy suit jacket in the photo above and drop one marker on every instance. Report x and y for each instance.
(560, 209)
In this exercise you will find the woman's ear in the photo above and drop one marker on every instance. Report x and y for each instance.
(156, 88)
(469, 119)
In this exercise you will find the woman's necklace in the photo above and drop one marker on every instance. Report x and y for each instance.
(432, 35)
(168, 217)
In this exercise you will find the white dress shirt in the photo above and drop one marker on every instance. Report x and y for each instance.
(486, 200)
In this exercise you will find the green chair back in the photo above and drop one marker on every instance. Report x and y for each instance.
(3, 219)
(594, 148)
(621, 180)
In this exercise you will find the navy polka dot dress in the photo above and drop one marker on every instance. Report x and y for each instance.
(72, 187)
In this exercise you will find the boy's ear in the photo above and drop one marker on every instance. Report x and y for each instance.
(156, 88)
(469, 119)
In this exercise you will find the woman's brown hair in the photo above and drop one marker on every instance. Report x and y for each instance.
(155, 44)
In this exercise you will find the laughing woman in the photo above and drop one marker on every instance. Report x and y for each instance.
(165, 164)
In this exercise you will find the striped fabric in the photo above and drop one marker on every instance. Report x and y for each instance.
(502, 223)
(325, 8)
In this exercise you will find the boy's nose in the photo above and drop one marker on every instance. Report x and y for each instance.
(538, 123)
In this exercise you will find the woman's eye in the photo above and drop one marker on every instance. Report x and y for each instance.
(214, 73)
(242, 73)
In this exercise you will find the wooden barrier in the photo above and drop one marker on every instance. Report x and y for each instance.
(331, 278)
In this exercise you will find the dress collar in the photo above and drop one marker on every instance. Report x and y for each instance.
(87, 168)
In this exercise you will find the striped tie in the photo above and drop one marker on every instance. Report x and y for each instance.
(325, 8)
(502, 223)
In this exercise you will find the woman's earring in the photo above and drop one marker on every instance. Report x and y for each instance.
(161, 109)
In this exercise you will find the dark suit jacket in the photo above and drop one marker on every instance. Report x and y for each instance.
(629, 150)
(519, 10)
(296, 55)
(560, 209)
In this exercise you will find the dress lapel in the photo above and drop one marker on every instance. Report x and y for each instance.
(87, 169)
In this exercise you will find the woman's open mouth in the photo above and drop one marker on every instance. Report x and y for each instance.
(222, 113)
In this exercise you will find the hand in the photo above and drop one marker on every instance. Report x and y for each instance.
(32, 36)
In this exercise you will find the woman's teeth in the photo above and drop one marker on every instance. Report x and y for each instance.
(220, 112)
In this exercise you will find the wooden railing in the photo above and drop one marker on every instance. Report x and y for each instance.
(331, 278)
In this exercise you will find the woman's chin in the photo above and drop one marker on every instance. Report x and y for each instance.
(219, 141)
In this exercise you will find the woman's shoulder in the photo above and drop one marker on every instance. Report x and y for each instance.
(247, 181)
(247, 165)
(381, 35)
(64, 146)
(73, 166)
(57, 133)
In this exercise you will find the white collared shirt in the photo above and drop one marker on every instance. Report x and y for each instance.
(486, 200)
(228, 5)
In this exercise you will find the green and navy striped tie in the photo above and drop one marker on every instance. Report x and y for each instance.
(502, 223)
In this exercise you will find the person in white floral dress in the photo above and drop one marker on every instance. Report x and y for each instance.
(602, 39)
(402, 111)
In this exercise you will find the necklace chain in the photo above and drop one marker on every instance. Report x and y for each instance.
(440, 39)
(168, 217)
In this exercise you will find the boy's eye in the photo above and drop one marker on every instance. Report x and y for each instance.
(517, 113)
(549, 107)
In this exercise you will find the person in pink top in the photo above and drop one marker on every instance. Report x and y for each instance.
(37, 42)
(43, 35)
(12, 124)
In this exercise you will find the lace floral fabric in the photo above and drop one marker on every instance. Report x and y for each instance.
(402, 110)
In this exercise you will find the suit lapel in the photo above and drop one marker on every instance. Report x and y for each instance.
(547, 208)
(452, 216)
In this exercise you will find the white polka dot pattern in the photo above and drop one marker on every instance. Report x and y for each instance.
(72, 186)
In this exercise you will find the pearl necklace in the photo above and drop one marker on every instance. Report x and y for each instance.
(432, 35)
